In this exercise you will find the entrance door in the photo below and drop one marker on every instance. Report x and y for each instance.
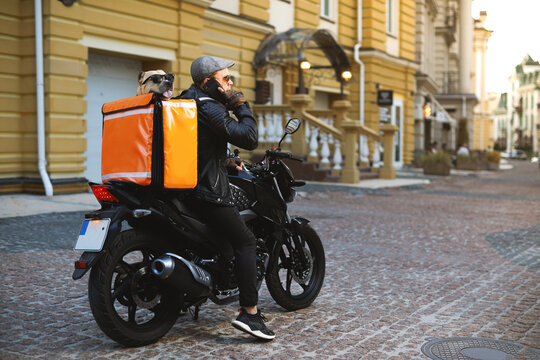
(397, 119)
(109, 78)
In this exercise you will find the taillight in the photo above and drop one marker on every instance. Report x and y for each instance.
(80, 264)
(102, 194)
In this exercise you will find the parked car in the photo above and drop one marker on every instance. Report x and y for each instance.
(514, 154)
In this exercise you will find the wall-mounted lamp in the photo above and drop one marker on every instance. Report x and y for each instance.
(427, 111)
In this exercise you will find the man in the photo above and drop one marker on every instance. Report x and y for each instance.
(212, 89)
(463, 151)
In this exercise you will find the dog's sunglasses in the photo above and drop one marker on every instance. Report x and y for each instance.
(157, 78)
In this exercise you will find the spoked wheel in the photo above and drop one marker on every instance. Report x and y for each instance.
(295, 275)
(129, 304)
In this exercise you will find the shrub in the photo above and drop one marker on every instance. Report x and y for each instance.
(471, 157)
(439, 157)
(493, 156)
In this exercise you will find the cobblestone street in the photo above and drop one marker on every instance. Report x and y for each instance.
(459, 257)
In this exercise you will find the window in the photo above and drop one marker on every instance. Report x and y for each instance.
(392, 27)
(389, 16)
(392, 14)
(326, 8)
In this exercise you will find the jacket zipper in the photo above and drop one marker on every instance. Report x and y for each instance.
(217, 180)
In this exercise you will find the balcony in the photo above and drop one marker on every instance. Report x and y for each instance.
(450, 84)
(448, 31)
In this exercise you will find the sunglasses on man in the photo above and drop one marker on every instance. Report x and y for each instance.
(158, 78)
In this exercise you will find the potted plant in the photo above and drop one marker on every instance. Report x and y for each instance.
(493, 158)
(467, 162)
(436, 163)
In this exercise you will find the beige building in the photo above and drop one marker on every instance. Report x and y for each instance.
(482, 135)
(93, 50)
(444, 98)
(524, 106)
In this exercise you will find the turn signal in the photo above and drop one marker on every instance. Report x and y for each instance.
(102, 194)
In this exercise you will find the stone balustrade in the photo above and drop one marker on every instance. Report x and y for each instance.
(327, 137)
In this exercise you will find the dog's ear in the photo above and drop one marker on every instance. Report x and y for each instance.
(141, 75)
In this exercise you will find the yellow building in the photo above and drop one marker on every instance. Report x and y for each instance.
(388, 52)
(94, 49)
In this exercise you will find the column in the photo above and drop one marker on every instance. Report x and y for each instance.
(465, 46)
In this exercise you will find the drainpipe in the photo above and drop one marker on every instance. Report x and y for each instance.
(357, 47)
(42, 162)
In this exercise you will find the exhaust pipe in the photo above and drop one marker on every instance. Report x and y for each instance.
(183, 275)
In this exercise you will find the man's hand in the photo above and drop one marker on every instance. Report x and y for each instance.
(234, 98)
(234, 163)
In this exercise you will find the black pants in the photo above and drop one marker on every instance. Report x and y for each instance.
(226, 222)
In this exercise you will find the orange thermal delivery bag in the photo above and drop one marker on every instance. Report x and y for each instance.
(148, 141)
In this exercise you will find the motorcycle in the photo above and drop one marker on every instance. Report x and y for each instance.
(151, 260)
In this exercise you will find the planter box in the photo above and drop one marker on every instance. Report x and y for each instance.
(493, 166)
(437, 169)
(462, 164)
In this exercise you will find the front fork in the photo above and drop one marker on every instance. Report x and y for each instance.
(292, 233)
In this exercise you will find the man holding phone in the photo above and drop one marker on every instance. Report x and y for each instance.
(211, 199)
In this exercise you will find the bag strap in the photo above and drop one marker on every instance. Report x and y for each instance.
(204, 99)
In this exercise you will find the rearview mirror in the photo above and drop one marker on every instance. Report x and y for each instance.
(292, 125)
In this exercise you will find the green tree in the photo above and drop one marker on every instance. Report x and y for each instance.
(463, 133)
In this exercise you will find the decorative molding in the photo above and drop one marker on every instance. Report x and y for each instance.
(433, 7)
(424, 81)
(238, 21)
(202, 3)
(126, 47)
(389, 58)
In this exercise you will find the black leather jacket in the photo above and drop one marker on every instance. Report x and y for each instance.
(215, 129)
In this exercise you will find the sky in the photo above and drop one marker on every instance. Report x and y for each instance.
(516, 33)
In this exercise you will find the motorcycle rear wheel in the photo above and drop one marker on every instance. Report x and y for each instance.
(293, 285)
(128, 303)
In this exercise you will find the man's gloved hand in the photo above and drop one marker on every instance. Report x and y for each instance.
(234, 98)
(234, 163)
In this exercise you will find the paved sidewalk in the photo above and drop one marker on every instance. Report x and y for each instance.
(27, 204)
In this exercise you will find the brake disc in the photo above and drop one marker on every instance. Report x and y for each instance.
(144, 289)
(301, 274)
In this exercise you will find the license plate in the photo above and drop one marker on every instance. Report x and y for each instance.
(92, 235)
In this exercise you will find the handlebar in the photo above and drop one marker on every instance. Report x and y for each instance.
(281, 154)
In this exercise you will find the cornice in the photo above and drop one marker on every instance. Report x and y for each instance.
(426, 82)
(389, 58)
(238, 21)
(202, 3)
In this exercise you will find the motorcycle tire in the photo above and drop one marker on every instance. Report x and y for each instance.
(285, 267)
(127, 301)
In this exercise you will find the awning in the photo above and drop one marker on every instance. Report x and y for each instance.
(289, 46)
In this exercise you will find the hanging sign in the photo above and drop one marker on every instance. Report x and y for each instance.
(385, 97)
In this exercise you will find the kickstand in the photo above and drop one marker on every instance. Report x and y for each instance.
(194, 311)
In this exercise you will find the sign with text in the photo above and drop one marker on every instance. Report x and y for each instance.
(385, 97)
(384, 116)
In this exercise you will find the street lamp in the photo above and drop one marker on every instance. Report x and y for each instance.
(303, 65)
(345, 77)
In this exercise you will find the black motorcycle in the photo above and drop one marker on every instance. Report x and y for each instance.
(153, 260)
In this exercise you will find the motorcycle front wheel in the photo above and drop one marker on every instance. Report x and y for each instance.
(292, 282)
(128, 303)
